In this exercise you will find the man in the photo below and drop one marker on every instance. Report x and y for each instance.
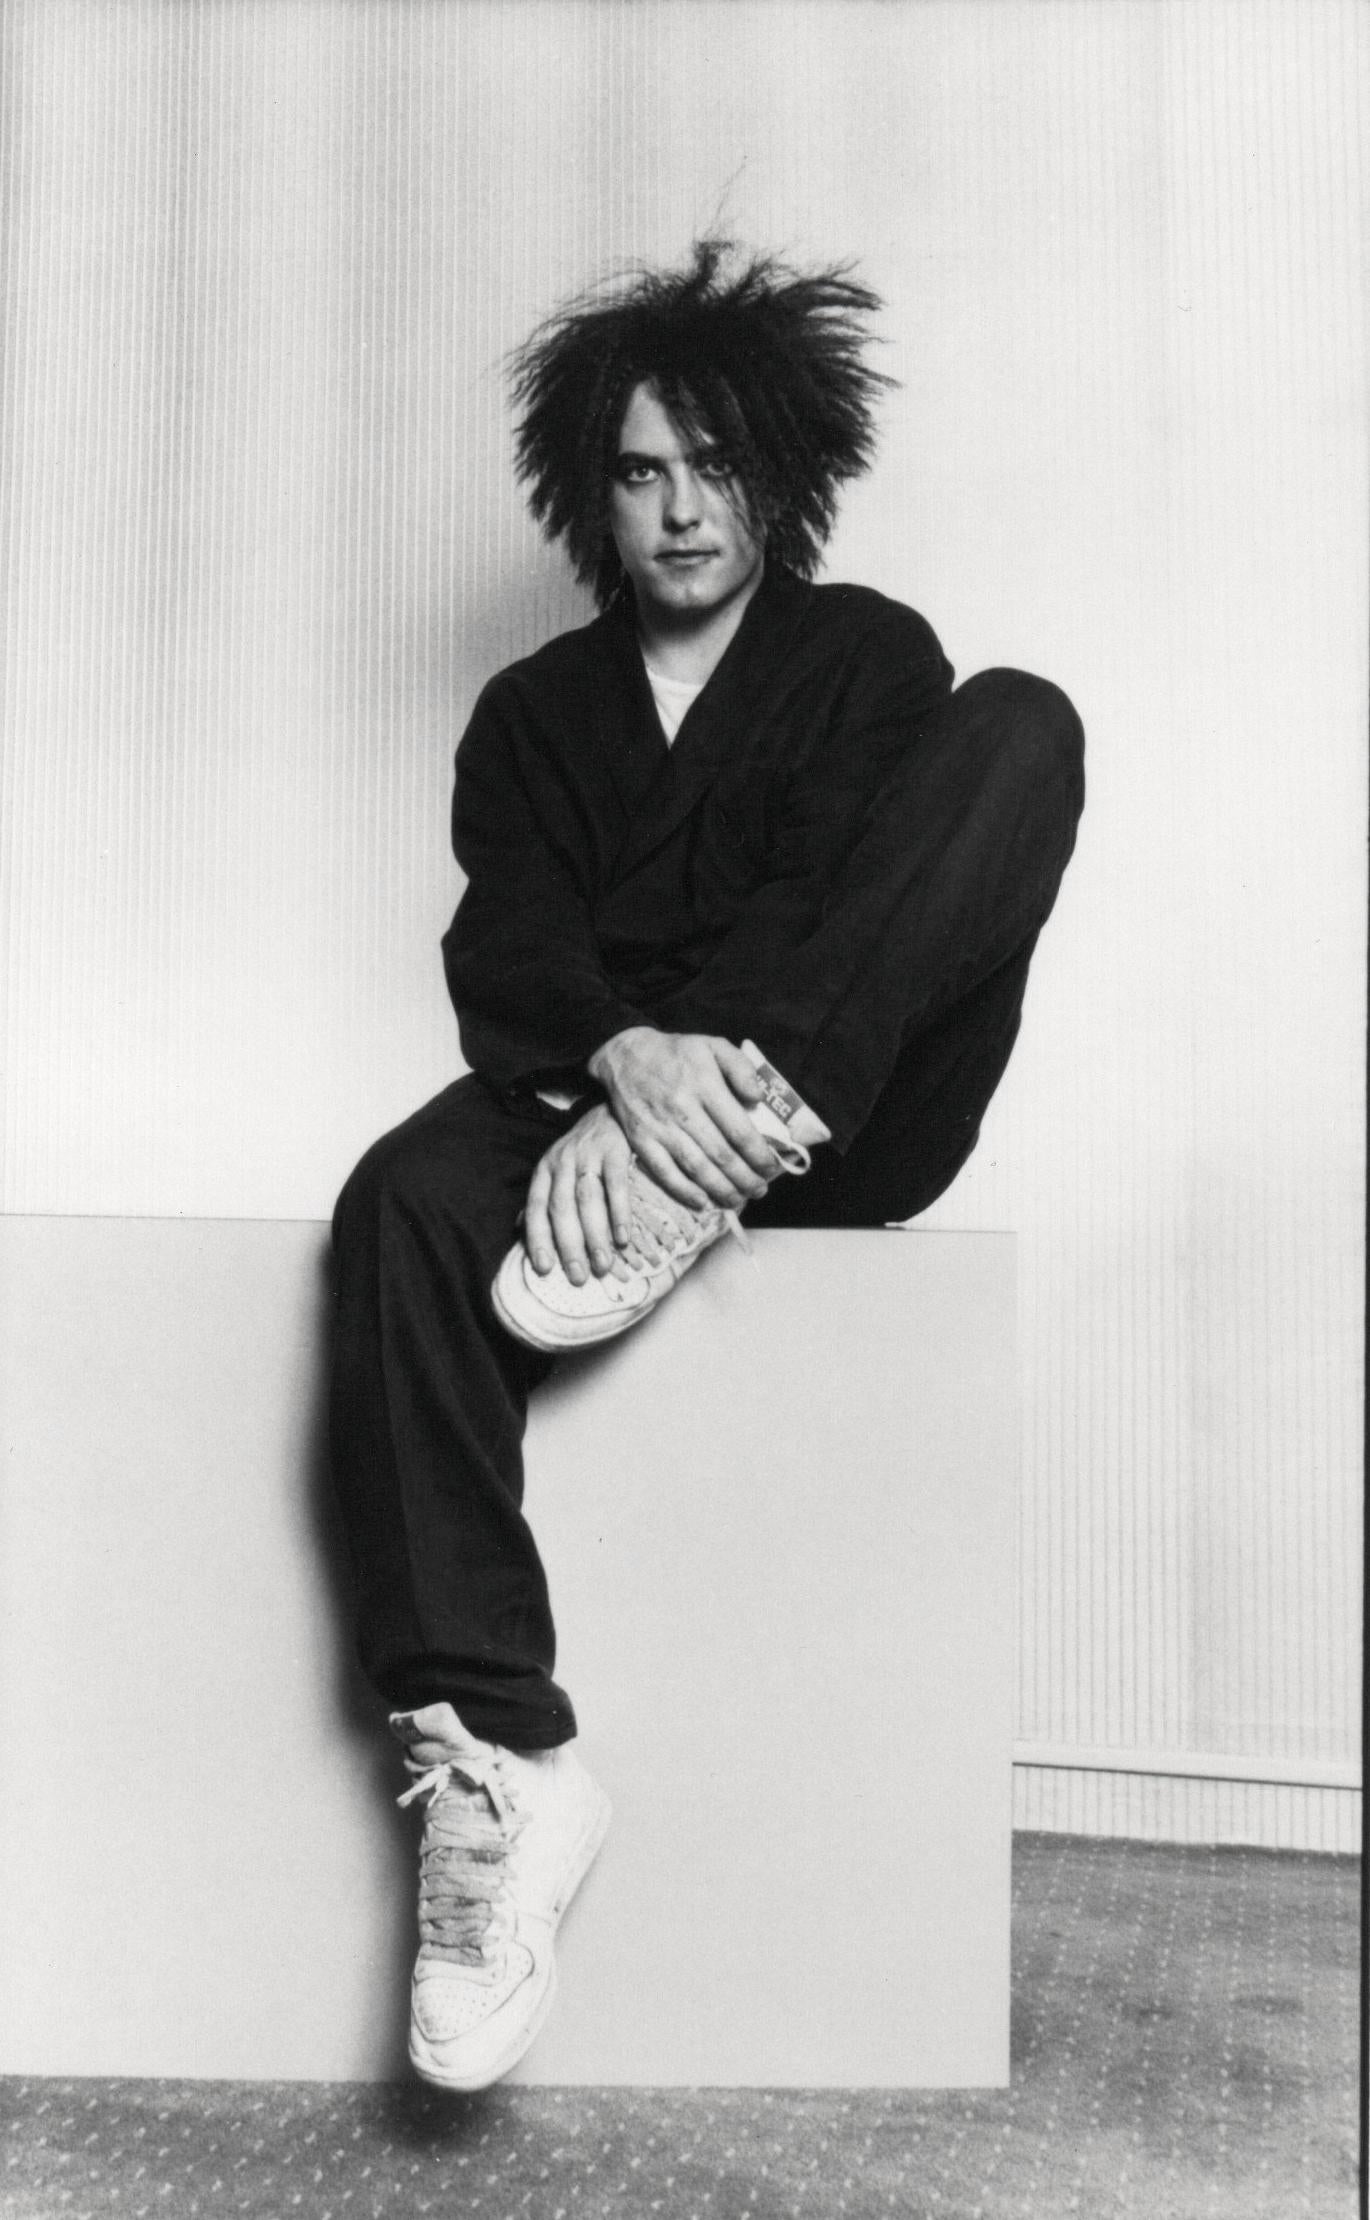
(751, 897)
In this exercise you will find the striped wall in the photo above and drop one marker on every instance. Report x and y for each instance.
(1184, 1807)
(260, 261)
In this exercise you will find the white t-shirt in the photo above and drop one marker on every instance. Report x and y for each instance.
(673, 697)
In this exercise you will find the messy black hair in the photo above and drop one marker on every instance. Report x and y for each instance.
(765, 364)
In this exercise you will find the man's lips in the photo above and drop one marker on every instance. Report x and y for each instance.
(686, 555)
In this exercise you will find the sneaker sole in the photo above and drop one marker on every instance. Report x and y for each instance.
(571, 1333)
(431, 2068)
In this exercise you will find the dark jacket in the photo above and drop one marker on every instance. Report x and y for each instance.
(612, 881)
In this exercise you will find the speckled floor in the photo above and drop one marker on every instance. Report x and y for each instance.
(1184, 2048)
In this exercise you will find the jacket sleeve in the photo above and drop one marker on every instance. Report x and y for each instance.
(524, 971)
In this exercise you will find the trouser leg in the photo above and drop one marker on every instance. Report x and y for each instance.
(925, 1122)
(950, 879)
(895, 1014)
(948, 870)
(429, 1397)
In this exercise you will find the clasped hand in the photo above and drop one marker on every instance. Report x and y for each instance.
(676, 1101)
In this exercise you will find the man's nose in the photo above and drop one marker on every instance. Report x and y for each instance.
(682, 499)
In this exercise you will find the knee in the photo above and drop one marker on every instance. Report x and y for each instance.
(401, 1169)
(1030, 729)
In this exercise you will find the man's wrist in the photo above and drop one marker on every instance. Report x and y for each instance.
(600, 1062)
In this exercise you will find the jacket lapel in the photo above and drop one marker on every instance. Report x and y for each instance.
(629, 744)
(713, 732)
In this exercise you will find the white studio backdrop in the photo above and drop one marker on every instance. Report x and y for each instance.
(261, 260)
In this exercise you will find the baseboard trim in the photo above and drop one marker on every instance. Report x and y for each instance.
(1205, 1765)
(1185, 1808)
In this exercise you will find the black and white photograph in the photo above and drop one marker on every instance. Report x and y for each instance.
(683, 838)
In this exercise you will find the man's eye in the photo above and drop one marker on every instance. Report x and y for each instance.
(714, 466)
(635, 474)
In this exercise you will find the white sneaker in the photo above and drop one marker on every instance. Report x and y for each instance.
(507, 1840)
(549, 1312)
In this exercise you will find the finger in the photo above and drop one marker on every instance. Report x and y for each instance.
(666, 1172)
(537, 1232)
(738, 1129)
(739, 1071)
(701, 1158)
(594, 1220)
(618, 1197)
(721, 1128)
(737, 1148)
(567, 1232)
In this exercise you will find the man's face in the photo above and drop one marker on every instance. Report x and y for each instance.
(678, 520)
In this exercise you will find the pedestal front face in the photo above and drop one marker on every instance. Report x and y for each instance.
(778, 1521)
(778, 1524)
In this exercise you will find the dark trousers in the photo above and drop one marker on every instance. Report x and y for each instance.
(920, 964)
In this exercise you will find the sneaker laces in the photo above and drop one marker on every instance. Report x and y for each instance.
(661, 1226)
(470, 1827)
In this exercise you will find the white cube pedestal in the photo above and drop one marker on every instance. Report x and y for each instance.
(778, 1524)
(778, 1520)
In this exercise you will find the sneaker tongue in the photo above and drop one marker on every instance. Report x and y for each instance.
(433, 1723)
(434, 1734)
